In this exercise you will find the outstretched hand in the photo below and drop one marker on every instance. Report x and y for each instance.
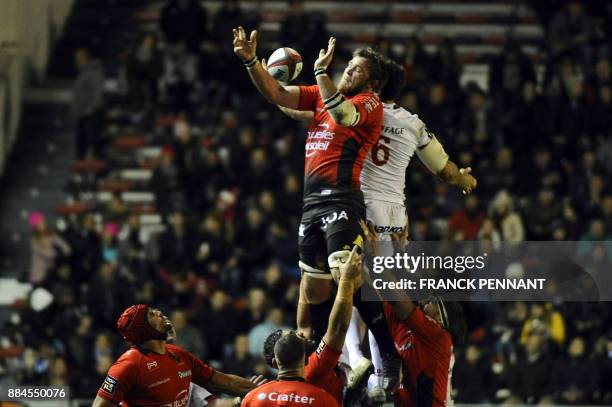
(244, 48)
(467, 182)
(325, 56)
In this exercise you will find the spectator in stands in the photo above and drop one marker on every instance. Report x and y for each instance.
(478, 127)
(116, 211)
(473, 377)
(531, 374)
(531, 115)
(544, 321)
(240, 361)
(538, 171)
(259, 333)
(445, 67)
(177, 245)
(509, 71)
(144, 67)
(165, 183)
(540, 212)
(132, 249)
(467, 220)
(600, 118)
(571, 30)
(439, 115)
(187, 336)
(501, 209)
(87, 104)
(575, 377)
(184, 21)
(108, 294)
(181, 77)
(219, 322)
(47, 247)
(605, 370)
(573, 119)
(416, 63)
(85, 242)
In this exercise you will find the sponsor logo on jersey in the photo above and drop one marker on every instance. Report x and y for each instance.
(152, 365)
(301, 230)
(318, 140)
(183, 374)
(321, 346)
(160, 382)
(179, 402)
(109, 385)
(371, 103)
(404, 347)
(328, 220)
(393, 130)
(388, 229)
(284, 397)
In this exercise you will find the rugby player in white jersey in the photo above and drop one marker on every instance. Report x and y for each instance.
(383, 180)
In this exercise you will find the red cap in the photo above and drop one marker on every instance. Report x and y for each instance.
(134, 327)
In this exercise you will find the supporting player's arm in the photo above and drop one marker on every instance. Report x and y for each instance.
(230, 384)
(100, 402)
(436, 160)
(274, 92)
(402, 305)
(340, 316)
(297, 114)
(342, 111)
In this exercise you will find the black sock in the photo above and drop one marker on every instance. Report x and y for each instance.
(373, 315)
(319, 318)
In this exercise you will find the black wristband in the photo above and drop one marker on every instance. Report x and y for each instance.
(320, 71)
(251, 62)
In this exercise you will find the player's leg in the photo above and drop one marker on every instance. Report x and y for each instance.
(315, 302)
(376, 381)
(341, 235)
(353, 339)
(386, 218)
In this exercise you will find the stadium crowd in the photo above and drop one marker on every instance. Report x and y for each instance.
(228, 185)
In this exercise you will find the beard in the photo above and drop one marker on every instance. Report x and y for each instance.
(350, 88)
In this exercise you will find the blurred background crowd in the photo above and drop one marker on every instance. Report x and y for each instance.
(215, 245)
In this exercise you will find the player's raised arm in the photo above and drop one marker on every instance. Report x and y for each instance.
(349, 280)
(342, 111)
(274, 92)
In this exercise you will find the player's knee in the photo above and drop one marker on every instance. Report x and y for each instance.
(316, 290)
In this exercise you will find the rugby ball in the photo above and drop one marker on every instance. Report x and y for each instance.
(285, 64)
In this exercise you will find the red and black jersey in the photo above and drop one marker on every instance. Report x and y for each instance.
(426, 350)
(147, 379)
(321, 370)
(294, 392)
(335, 154)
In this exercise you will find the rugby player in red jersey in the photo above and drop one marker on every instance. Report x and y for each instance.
(153, 373)
(346, 124)
(322, 365)
(424, 337)
(290, 387)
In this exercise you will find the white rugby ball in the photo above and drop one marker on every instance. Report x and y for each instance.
(285, 64)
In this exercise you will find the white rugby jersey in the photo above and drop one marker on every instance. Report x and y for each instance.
(383, 175)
